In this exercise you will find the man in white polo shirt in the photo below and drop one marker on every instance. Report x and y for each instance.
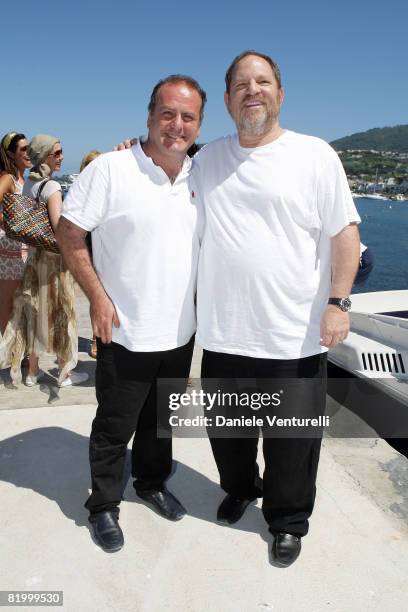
(280, 240)
(141, 288)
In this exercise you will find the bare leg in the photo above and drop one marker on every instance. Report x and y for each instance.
(7, 291)
(93, 349)
(61, 364)
(32, 365)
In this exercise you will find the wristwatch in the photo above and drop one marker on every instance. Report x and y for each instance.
(343, 303)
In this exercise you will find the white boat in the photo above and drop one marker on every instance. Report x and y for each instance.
(376, 348)
(357, 195)
(369, 196)
(375, 196)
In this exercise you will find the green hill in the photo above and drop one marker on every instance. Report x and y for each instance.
(379, 139)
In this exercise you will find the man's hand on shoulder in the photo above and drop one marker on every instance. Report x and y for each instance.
(103, 317)
(334, 326)
(125, 144)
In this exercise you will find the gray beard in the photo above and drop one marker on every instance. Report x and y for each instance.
(258, 125)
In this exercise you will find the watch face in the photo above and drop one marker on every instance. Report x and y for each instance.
(345, 304)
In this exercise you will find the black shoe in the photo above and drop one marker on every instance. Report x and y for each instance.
(164, 503)
(231, 509)
(286, 549)
(106, 530)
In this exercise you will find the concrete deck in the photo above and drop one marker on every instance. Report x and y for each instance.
(355, 557)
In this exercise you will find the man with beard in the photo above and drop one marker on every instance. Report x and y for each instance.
(141, 290)
(278, 259)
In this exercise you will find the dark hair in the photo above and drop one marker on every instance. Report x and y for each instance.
(6, 163)
(230, 72)
(178, 78)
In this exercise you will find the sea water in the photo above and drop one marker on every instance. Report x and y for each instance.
(384, 228)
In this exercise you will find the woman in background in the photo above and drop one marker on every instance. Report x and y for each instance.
(44, 310)
(88, 158)
(14, 161)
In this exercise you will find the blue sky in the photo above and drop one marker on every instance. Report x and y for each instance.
(83, 71)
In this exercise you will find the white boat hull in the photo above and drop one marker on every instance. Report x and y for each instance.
(377, 346)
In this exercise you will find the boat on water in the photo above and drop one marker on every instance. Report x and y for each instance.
(375, 196)
(376, 348)
(369, 196)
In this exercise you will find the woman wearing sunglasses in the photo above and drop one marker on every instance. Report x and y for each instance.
(14, 161)
(44, 310)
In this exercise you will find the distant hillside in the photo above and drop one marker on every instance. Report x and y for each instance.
(379, 139)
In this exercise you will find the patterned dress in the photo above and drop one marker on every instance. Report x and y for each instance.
(43, 319)
(13, 254)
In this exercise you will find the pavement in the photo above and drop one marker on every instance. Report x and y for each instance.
(354, 558)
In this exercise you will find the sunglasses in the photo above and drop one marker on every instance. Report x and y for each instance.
(56, 153)
(23, 149)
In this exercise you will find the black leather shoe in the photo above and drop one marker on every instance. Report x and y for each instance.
(106, 530)
(231, 509)
(164, 503)
(286, 549)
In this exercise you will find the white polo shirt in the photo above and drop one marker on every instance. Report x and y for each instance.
(265, 267)
(145, 245)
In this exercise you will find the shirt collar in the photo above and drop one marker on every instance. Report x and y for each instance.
(158, 171)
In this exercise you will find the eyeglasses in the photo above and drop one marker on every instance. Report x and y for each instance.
(56, 153)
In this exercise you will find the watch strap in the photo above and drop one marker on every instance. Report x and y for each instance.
(344, 303)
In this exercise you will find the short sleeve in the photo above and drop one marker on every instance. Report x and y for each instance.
(49, 189)
(335, 205)
(85, 203)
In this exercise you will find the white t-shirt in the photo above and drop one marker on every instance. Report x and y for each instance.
(144, 243)
(31, 189)
(264, 270)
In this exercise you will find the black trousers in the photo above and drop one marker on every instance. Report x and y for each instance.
(126, 391)
(289, 479)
